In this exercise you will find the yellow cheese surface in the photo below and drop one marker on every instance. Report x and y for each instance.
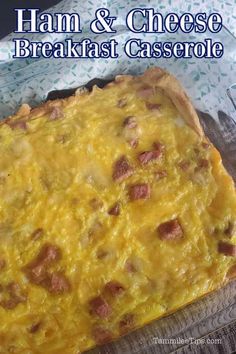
(56, 177)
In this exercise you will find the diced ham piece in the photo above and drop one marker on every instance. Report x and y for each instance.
(56, 113)
(153, 106)
(130, 267)
(36, 269)
(9, 304)
(227, 249)
(229, 231)
(232, 272)
(2, 263)
(122, 103)
(101, 335)
(36, 234)
(17, 124)
(114, 210)
(130, 122)
(37, 273)
(160, 174)
(100, 307)
(184, 165)
(16, 296)
(127, 323)
(57, 283)
(170, 230)
(14, 289)
(114, 288)
(48, 254)
(148, 156)
(203, 163)
(122, 169)
(133, 143)
(96, 203)
(145, 91)
(139, 191)
(101, 254)
(158, 146)
(205, 145)
(35, 327)
(131, 131)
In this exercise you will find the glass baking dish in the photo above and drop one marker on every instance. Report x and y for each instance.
(188, 326)
(212, 86)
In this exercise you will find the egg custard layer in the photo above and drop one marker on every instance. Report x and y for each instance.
(115, 210)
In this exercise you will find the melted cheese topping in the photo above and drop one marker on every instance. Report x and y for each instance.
(56, 187)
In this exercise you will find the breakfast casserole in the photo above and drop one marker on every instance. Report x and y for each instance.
(115, 210)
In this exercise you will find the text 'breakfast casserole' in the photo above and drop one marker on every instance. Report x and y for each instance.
(115, 210)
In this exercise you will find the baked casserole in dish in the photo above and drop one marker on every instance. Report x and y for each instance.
(115, 210)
